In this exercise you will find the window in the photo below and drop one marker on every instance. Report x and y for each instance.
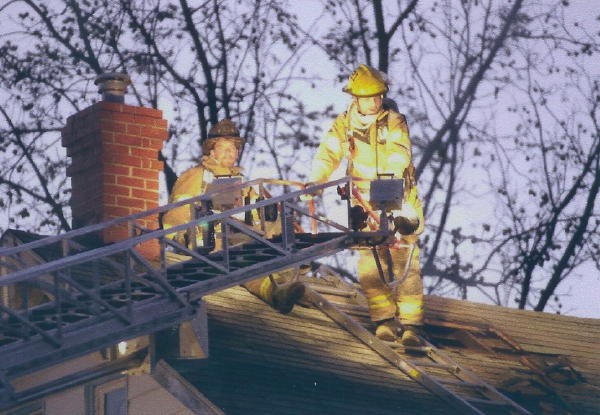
(115, 402)
(107, 397)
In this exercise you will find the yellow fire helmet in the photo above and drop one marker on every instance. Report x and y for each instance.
(366, 82)
(223, 129)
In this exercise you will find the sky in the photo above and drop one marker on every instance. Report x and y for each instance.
(582, 298)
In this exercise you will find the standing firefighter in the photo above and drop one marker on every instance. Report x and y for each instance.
(374, 141)
(221, 150)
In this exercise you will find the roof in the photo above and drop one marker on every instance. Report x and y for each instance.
(264, 362)
(303, 363)
(267, 363)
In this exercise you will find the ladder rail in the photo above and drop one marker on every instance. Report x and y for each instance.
(468, 376)
(130, 243)
(89, 299)
(131, 297)
(94, 228)
(103, 329)
(415, 371)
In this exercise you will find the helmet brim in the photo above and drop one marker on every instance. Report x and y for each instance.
(348, 91)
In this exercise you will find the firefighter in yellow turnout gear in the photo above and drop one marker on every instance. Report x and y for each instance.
(375, 141)
(221, 150)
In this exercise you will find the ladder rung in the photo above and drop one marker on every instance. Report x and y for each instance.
(450, 368)
(418, 349)
(478, 401)
(458, 382)
(413, 349)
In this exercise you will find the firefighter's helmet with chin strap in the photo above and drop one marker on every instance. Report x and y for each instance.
(365, 82)
(223, 129)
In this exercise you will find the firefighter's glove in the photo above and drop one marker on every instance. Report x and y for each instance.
(358, 218)
(343, 192)
(181, 237)
(310, 196)
(271, 213)
(406, 220)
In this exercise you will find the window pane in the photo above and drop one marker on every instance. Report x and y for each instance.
(115, 402)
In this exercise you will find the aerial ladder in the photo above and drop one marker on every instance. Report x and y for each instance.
(97, 296)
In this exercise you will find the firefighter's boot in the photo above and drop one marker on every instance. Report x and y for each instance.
(388, 330)
(286, 295)
(411, 336)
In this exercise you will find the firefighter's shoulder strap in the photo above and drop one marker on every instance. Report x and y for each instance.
(348, 138)
(410, 176)
(410, 173)
(347, 141)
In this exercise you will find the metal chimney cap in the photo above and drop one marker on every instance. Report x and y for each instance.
(113, 85)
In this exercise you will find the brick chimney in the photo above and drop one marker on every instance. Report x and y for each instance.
(114, 160)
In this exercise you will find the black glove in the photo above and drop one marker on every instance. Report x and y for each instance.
(358, 218)
(405, 225)
(271, 211)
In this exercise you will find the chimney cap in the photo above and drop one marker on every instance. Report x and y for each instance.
(113, 85)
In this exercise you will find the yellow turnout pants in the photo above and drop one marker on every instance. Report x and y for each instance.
(405, 300)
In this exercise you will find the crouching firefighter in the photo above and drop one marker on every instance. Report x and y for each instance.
(220, 157)
(374, 141)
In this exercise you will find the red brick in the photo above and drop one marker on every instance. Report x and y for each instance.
(144, 153)
(151, 222)
(120, 117)
(151, 164)
(162, 123)
(113, 125)
(116, 211)
(130, 140)
(147, 112)
(115, 169)
(151, 203)
(115, 234)
(155, 143)
(112, 148)
(151, 184)
(114, 190)
(131, 181)
(144, 173)
(110, 178)
(152, 176)
(108, 136)
(149, 249)
(109, 200)
(133, 129)
(132, 203)
(144, 194)
(123, 159)
(152, 225)
(157, 165)
(152, 132)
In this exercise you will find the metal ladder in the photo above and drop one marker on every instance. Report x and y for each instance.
(429, 366)
(95, 297)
